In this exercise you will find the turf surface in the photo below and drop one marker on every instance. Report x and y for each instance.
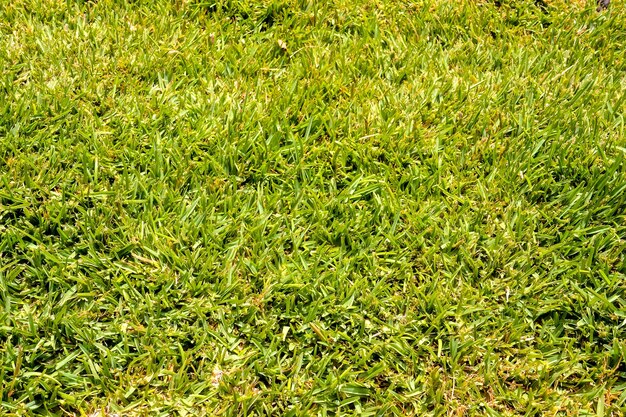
(351, 207)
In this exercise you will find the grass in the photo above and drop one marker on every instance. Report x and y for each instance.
(293, 207)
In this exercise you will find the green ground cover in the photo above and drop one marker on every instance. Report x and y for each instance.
(297, 207)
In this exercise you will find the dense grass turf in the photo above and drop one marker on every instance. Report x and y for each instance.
(369, 207)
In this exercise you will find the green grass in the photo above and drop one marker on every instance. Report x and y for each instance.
(297, 207)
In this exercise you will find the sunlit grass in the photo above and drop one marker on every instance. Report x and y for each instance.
(351, 207)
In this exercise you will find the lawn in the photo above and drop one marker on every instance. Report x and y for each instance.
(305, 207)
